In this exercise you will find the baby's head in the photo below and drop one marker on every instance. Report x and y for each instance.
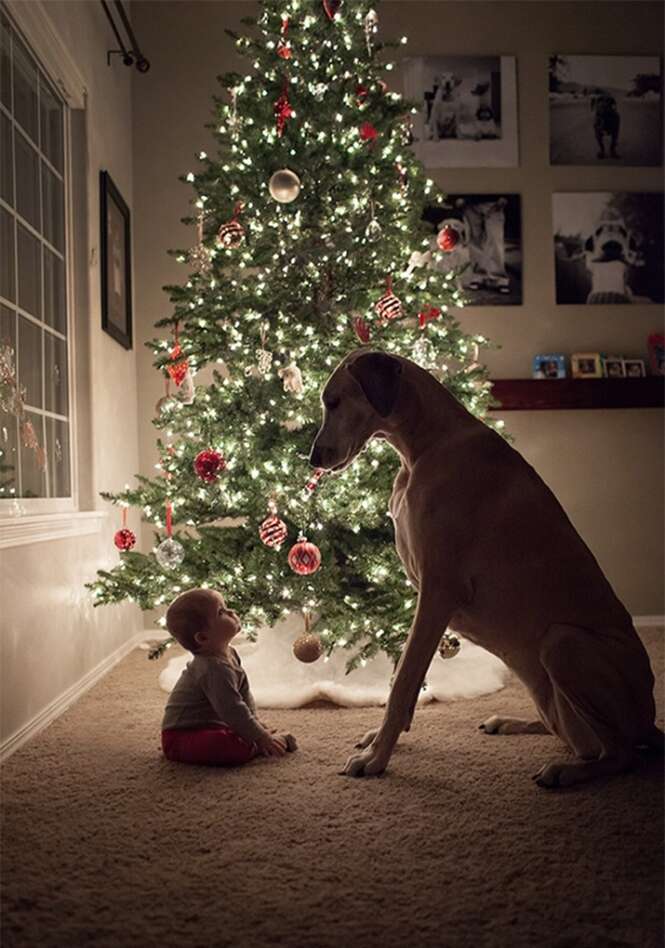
(201, 622)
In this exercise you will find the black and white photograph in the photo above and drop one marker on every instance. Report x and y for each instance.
(468, 110)
(608, 247)
(482, 237)
(605, 110)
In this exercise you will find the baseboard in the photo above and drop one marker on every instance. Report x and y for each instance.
(648, 622)
(57, 707)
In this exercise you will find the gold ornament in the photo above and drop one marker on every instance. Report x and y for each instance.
(308, 648)
(449, 645)
(284, 186)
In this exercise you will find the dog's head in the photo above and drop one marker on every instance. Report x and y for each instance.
(447, 83)
(357, 400)
(611, 240)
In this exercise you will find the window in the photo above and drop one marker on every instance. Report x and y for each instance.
(36, 429)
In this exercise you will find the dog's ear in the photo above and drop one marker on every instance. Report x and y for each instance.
(378, 375)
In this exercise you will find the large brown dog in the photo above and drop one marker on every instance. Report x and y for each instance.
(493, 556)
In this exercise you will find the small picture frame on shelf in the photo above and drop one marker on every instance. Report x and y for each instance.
(656, 348)
(586, 365)
(551, 365)
(614, 367)
(635, 368)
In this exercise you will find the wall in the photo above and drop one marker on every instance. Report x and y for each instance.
(51, 637)
(605, 466)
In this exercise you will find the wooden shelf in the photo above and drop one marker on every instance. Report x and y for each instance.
(556, 394)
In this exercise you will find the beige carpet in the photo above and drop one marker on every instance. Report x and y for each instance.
(107, 844)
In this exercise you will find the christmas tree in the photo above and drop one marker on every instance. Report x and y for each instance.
(310, 242)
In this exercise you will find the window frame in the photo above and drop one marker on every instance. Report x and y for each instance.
(46, 518)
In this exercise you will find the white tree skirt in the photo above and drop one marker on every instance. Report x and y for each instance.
(279, 680)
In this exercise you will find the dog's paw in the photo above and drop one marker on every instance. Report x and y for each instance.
(367, 764)
(553, 775)
(366, 739)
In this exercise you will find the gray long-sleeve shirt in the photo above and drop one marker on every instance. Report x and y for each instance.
(213, 691)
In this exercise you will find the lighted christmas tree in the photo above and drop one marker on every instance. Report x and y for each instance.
(310, 242)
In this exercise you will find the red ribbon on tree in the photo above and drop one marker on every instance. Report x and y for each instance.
(283, 47)
(430, 312)
(177, 367)
(283, 110)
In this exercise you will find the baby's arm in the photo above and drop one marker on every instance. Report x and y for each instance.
(221, 689)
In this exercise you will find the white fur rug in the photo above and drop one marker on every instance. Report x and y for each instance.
(279, 680)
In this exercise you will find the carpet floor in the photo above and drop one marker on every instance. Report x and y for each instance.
(107, 844)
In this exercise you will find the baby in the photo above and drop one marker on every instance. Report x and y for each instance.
(210, 717)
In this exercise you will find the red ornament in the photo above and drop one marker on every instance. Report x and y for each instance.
(389, 306)
(447, 239)
(361, 94)
(273, 532)
(313, 482)
(124, 539)
(304, 558)
(367, 132)
(283, 48)
(425, 315)
(208, 465)
(332, 8)
(361, 329)
(231, 234)
(283, 111)
(177, 367)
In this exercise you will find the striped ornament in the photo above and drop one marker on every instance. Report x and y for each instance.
(389, 306)
(273, 532)
(231, 235)
(304, 558)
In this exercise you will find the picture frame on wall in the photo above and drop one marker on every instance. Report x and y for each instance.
(605, 110)
(485, 258)
(468, 110)
(635, 368)
(608, 247)
(586, 365)
(614, 367)
(115, 260)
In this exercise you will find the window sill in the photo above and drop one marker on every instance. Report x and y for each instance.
(19, 531)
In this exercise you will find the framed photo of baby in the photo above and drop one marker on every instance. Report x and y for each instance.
(484, 235)
(468, 110)
(605, 110)
(608, 247)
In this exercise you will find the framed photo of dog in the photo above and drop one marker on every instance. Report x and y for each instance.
(608, 247)
(468, 110)
(605, 110)
(486, 256)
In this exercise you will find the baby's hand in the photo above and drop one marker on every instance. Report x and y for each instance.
(271, 746)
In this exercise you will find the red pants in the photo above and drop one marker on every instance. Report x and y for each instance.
(213, 746)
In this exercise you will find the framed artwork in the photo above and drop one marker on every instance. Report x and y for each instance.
(485, 231)
(468, 110)
(550, 365)
(608, 247)
(586, 365)
(605, 110)
(613, 367)
(656, 348)
(115, 262)
(635, 368)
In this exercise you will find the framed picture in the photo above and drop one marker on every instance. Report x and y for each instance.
(484, 234)
(468, 110)
(613, 367)
(586, 365)
(115, 262)
(605, 110)
(635, 368)
(551, 365)
(656, 346)
(608, 247)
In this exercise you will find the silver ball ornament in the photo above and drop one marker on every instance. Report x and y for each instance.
(373, 230)
(169, 554)
(284, 186)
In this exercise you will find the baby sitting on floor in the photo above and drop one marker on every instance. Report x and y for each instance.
(210, 717)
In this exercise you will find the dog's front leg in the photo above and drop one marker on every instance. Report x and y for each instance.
(434, 611)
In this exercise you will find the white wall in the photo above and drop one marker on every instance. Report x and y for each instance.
(605, 466)
(50, 635)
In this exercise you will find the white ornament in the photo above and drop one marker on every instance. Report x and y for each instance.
(373, 230)
(284, 186)
(418, 259)
(186, 392)
(371, 25)
(292, 379)
(169, 554)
